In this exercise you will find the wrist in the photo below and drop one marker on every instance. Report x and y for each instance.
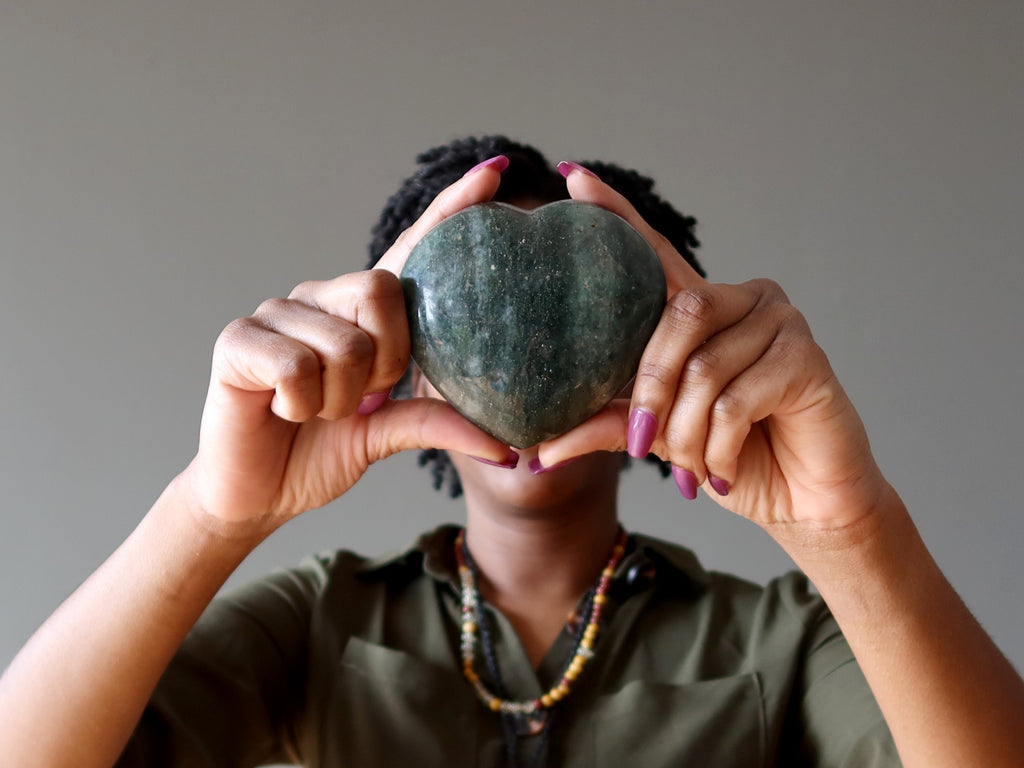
(213, 546)
(877, 578)
(216, 515)
(878, 539)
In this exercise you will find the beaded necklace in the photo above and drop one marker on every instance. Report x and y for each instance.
(587, 623)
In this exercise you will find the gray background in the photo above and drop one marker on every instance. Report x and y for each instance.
(166, 166)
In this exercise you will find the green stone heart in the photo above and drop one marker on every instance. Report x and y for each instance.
(530, 322)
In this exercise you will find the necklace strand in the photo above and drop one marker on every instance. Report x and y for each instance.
(472, 620)
(510, 724)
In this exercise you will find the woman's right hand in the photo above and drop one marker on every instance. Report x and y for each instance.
(297, 407)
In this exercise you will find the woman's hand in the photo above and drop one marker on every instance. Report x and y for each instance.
(297, 407)
(296, 412)
(733, 391)
(737, 393)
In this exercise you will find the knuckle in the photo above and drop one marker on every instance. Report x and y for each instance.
(728, 408)
(379, 285)
(794, 338)
(304, 289)
(769, 290)
(274, 307)
(702, 366)
(692, 309)
(804, 349)
(680, 441)
(237, 327)
(235, 334)
(684, 447)
(299, 367)
(657, 371)
(348, 349)
(788, 316)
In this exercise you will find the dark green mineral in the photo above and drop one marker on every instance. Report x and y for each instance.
(530, 322)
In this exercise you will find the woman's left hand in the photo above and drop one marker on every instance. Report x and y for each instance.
(734, 392)
(740, 395)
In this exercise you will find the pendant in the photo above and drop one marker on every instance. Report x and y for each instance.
(530, 322)
(531, 724)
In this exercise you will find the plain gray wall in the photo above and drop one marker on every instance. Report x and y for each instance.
(166, 166)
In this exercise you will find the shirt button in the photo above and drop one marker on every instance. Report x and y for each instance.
(640, 573)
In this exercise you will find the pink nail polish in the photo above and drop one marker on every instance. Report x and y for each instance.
(510, 461)
(686, 482)
(371, 402)
(498, 162)
(721, 486)
(567, 166)
(641, 432)
(536, 468)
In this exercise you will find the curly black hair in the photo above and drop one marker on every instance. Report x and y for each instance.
(529, 176)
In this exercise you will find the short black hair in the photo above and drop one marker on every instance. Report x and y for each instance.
(528, 176)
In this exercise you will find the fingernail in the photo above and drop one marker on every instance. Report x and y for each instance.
(640, 435)
(686, 482)
(371, 402)
(721, 486)
(510, 461)
(498, 162)
(536, 468)
(567, 166)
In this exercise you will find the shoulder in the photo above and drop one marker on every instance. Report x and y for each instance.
(293, 590)
(789, 596)
(335, 592)
(331, 573)
(738, 621)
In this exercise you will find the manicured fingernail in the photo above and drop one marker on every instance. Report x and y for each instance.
(640, 435)
(567, 166)
(510, 461)
(498, 162)
(686, 482)
(721, 486)
(536, 468)
(371, 402)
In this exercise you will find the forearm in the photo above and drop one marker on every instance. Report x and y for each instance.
(74, 693)
(948, 695)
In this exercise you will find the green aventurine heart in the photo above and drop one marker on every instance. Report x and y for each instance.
(530, 322)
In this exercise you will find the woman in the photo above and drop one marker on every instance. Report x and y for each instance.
(460, 651)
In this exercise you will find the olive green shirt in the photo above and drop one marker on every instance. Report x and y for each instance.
(346, 661)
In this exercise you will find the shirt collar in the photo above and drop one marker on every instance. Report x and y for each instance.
(647, 559)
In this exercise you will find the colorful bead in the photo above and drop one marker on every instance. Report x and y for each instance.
(579, 658)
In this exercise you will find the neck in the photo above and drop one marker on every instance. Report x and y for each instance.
(534, 565)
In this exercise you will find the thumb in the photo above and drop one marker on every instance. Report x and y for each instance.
(477, 186)
(604, 431)
(428, 423)
(584, 186)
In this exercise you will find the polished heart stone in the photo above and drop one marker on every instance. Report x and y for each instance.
(530, 322)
